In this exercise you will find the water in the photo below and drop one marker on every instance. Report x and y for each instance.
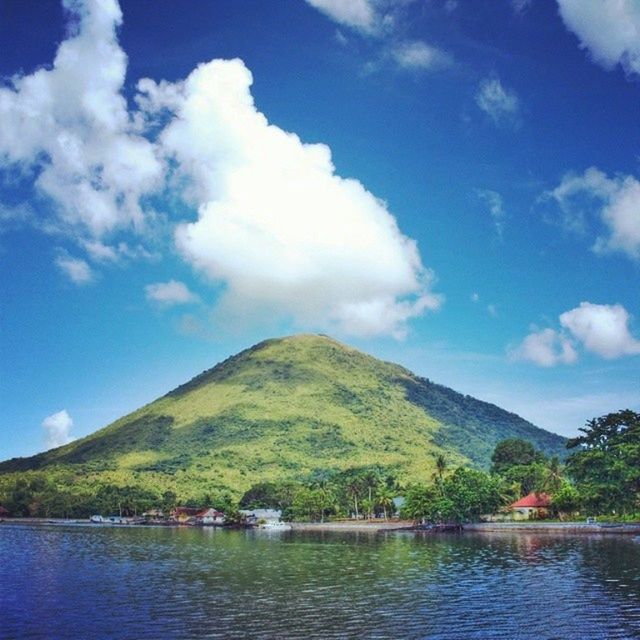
(79, 582)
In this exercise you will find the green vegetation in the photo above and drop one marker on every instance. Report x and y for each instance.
(606, 467)
(274, 413)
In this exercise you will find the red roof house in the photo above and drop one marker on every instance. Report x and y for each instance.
(534, 505)
(3, 512)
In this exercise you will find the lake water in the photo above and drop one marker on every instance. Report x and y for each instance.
(79, 582)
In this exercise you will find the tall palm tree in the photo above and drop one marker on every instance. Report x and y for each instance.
(353, 489)
(553, 476)
(384, 498)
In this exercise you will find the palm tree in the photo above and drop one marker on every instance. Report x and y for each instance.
(438, 475)
(353, 489)
(384, 498)
(553, 477)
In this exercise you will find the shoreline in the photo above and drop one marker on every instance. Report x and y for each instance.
(404, 526)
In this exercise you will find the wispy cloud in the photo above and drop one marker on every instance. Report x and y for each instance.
(76, 269)
(170, 293)
(381, 21)
(495, 205)
(420, 55)
(615, 202)
(501, 104)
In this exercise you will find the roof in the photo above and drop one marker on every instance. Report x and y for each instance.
(3, 511)
(210, 513)
(185, 511)
(533, 500)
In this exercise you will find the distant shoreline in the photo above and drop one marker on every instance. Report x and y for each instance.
(570, 528)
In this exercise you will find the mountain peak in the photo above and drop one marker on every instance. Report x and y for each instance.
(284, 408)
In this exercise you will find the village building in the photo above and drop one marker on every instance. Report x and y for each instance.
(210, 517)
(183, 514)
(532, 506)
(4, 513)
(153, 514)
(261, 516)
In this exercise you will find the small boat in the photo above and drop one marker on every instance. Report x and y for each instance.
(275, 526)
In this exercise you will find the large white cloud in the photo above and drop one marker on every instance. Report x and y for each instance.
(70, 125)
(603, 329)
(275, 223)
(614, 201)
(57, 429)
(609, 29)
(599, 328)
(277, 227)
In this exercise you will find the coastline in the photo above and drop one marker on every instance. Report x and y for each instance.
(569, 528)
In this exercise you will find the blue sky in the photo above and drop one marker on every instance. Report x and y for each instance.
(451, 185)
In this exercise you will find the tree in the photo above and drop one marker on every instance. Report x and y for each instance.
(514, 452)
(606, 467)
(553, 476)
(566, 500)
(463, 497)
(384, 499)
(529, 477)
(353, 489)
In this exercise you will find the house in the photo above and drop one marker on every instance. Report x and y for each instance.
(183, 514)
(210, 517)
(153, 514)
(4, 513)
(261, 516)
(532, 506)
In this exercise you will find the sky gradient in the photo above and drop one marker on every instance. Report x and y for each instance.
(449, 185)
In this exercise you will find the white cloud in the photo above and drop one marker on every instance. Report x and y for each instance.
(420, 55)
(603, 329)
(275, 222)
(357, 14)
(495, 204)
(71, 123)
(277, 227)
(614, 201)
(170, 293)
(498, 102)
(76, 269)
(57, 427)
(608, 29)
(520, 7)
(383, 20)
(546, 348)
(600, 328)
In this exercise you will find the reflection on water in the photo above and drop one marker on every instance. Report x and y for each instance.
(66, 582)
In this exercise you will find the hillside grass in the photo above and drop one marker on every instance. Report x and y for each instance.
(281, 410)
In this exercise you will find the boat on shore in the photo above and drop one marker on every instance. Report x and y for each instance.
(275, 526)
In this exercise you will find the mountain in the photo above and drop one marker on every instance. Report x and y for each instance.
(285, 408)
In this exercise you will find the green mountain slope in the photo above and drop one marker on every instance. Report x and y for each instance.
(285, 408)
